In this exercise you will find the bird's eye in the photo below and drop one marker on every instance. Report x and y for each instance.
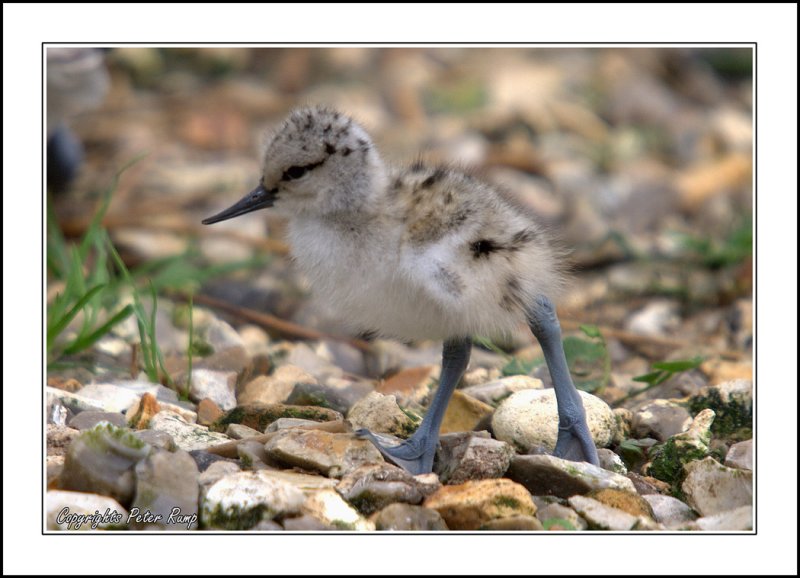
(294, 172)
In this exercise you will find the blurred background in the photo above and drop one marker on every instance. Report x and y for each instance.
(640, 158)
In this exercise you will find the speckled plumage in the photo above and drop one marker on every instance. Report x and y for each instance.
(414, 253)
(417, 252)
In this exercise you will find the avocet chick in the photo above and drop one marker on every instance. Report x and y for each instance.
(417, 253)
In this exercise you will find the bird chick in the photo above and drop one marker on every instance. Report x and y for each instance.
(415, 253)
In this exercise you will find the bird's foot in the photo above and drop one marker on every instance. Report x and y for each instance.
(575, 443)
(415, 455)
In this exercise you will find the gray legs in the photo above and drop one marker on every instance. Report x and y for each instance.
(574, 440)
(416, 453)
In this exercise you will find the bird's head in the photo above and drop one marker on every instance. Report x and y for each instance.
(319, 161)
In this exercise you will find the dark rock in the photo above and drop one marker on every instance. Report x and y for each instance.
(203, 459)
(374, 486)
(259, 416)
(338, 399)
(563, 478)
(471, 456)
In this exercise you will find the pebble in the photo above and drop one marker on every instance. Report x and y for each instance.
(308, 483)
(530, 418)
(411, 386)
(514, 524)
(288, 422)
(496, 391)
(657, 318)
(75, 402)
(470, 505)
(305, 358)
(732, 402)
(238, 431)
(53, 466)
(611, 461)
(57, 414)
(118, 397)
(372, 487)
(114, 398)
(740, 455)
(255, 340)
(660, 419)
(629, 502)
(329, 507)
(670, 511)
(220, 335)
(82, 511)
(258, 416)
(205, 459)
(405, 517)
(669, 459)
(331, 454)
(240, 501)
(59, 437)
(218, 386)
(624, 420)
(711, 488)
(602, 517)
(463, 413)
(142, 411)
(101, 461)
(549, 475)
(252, 456)
(471, 456)
(552, 514)
(646, 485)
(275, 388)
(158, 439)
(187, 436)
(739, 519)
(88, 419)
(216, 471)
(343, 355)
(167, 486)
(380, 413)
(138, 416)
(339, 395)
(306, 523)
(208, 412)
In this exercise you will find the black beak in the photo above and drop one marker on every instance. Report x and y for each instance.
(258, 198)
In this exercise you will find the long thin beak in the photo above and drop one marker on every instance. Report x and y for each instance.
(258, 198)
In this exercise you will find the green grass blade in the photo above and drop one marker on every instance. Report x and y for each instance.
(681, 365)
(58, 326)
(85, 342)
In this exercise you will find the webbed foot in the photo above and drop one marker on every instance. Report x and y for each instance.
(415, 455)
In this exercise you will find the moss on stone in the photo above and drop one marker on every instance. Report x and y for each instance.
(259, 416)
(235, 518)
(98, 436)
(507, 502)
(731, 416)
(670, 457)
